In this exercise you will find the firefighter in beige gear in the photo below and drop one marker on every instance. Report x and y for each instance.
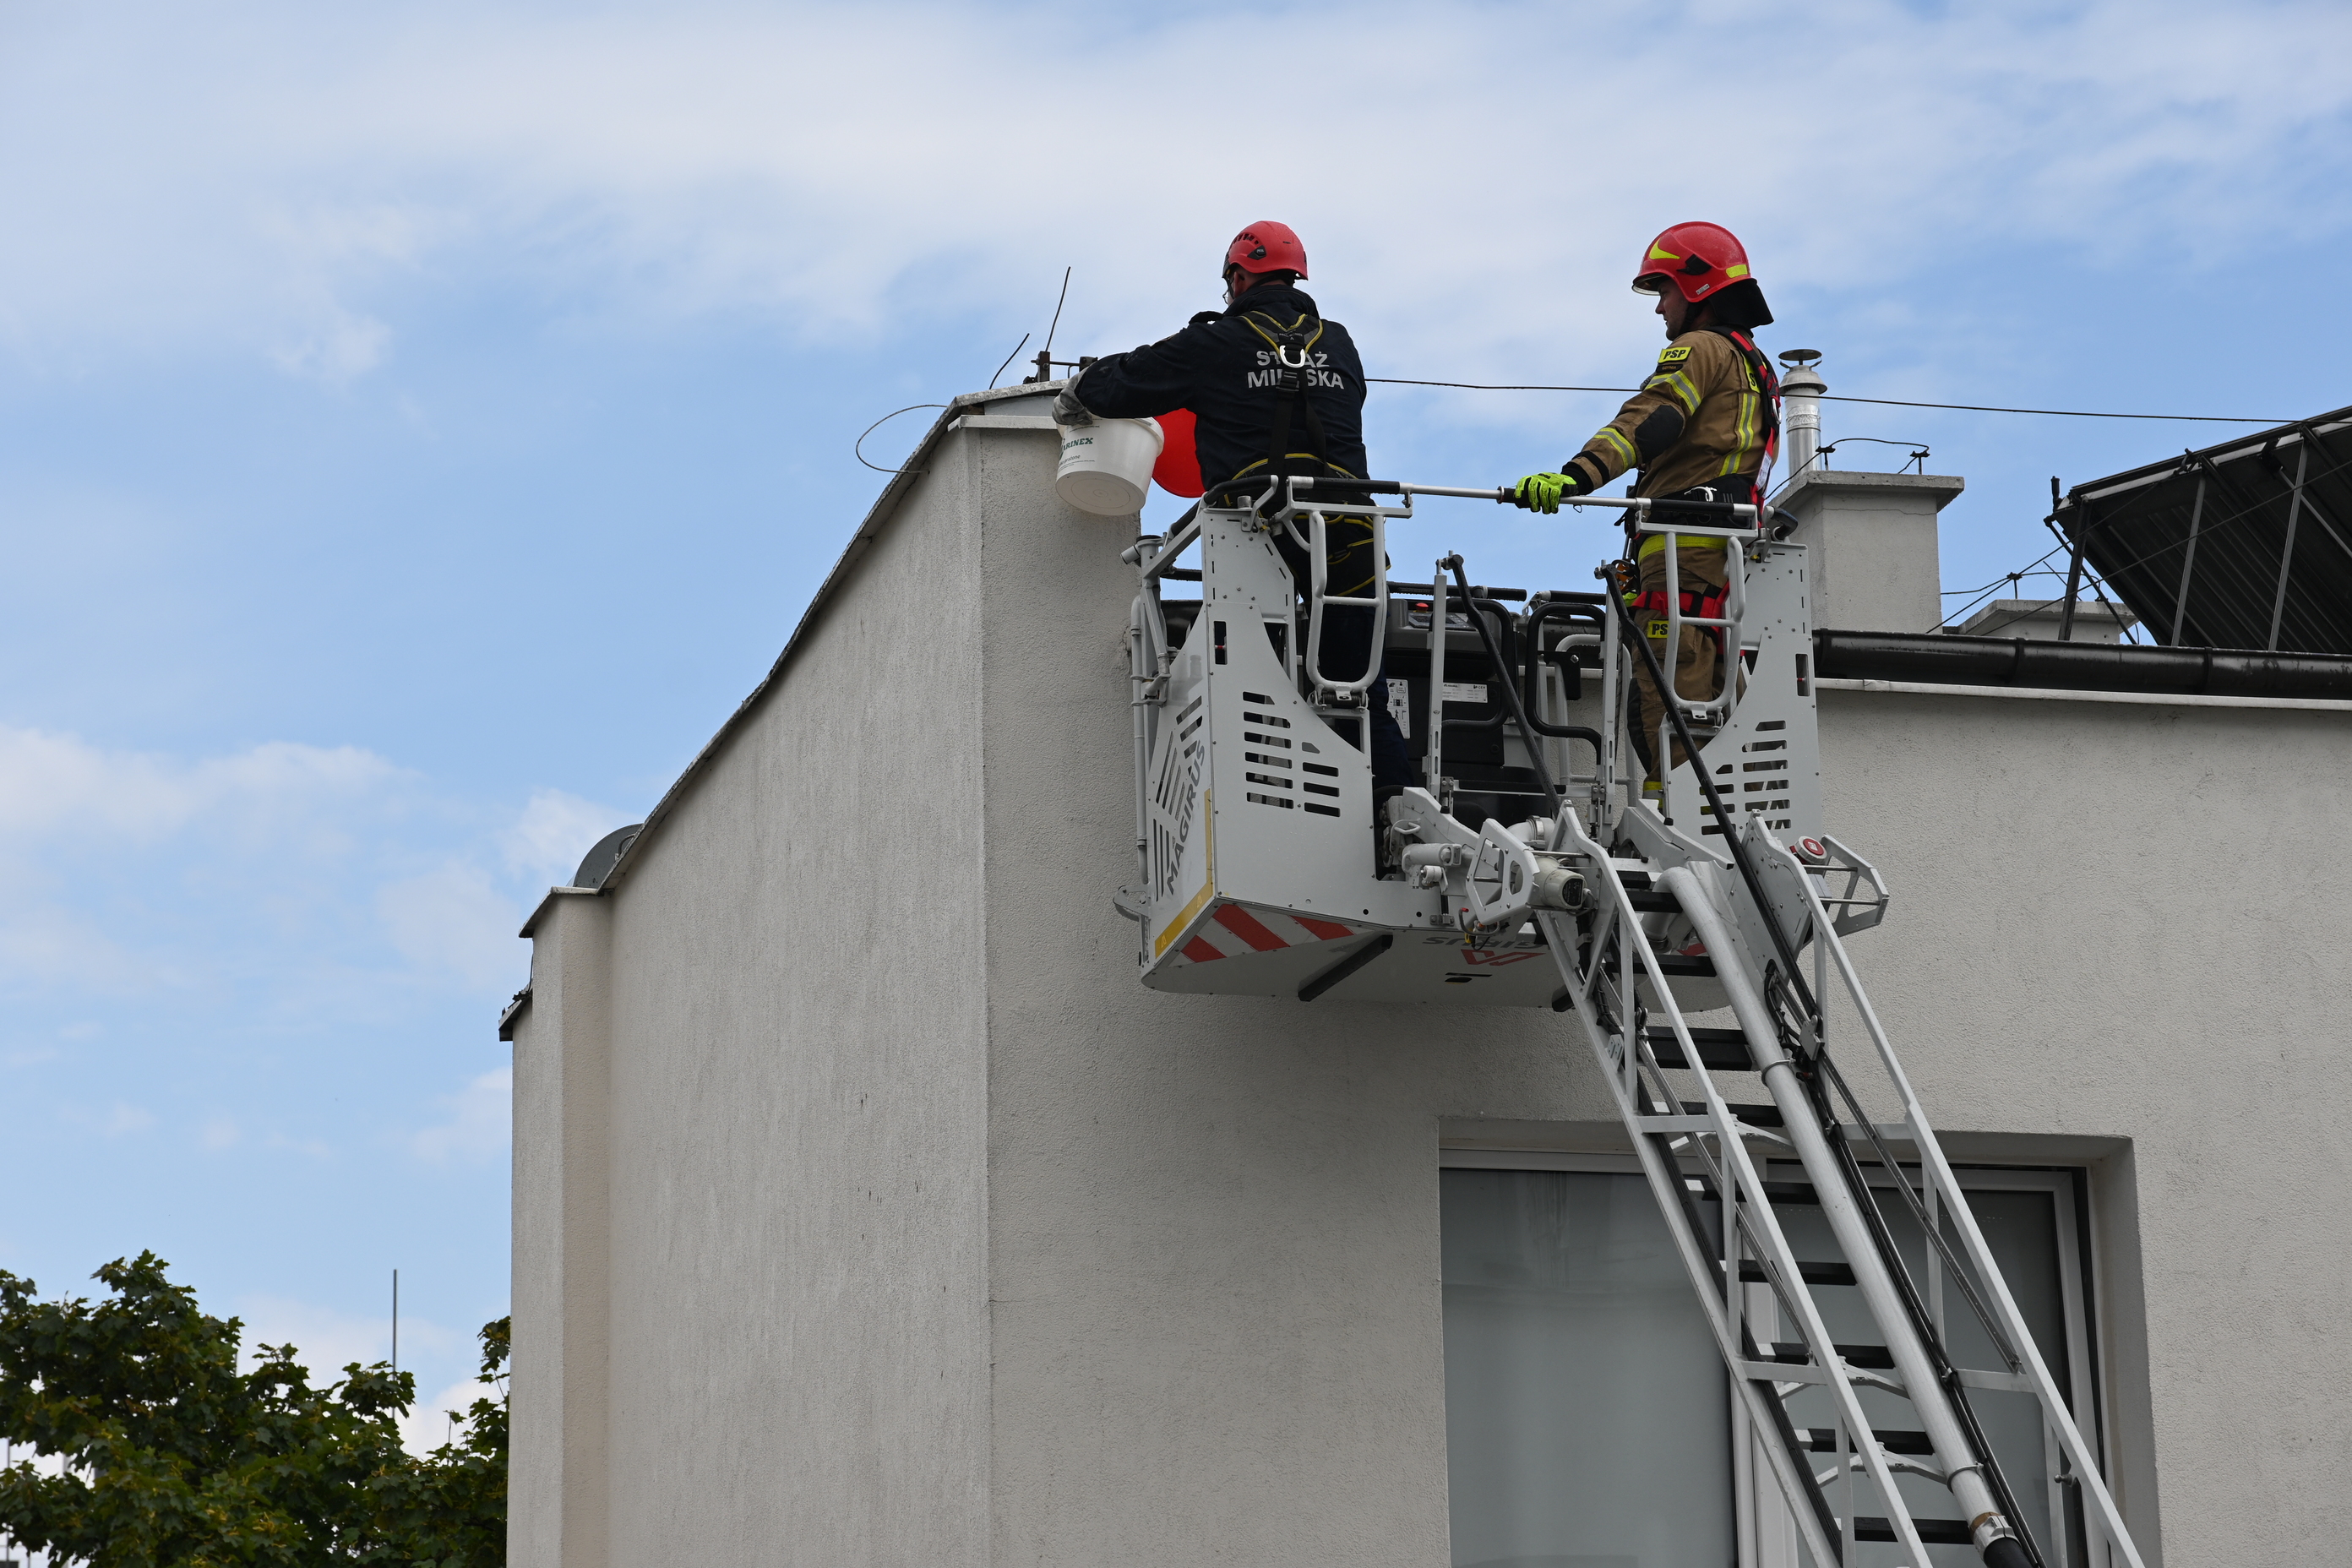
(1704, 426)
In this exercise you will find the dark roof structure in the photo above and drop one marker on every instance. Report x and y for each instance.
(2243, 545)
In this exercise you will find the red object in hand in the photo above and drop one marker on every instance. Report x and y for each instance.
(1179, 467)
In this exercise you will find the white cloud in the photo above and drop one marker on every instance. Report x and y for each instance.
(481, 1119)
(55, 784)
(452, 920)
(60, 944)
(94, 841)
(341, 348)
(327, 1341)
(429, 1425)
(555, 831)
(725, 156)
(219, 1133)
(125, 1117)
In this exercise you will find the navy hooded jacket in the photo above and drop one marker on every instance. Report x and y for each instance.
(1221, 367)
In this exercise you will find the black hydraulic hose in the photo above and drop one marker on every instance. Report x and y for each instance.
(1919, 1211)
(1755, 883)
(1510, 687)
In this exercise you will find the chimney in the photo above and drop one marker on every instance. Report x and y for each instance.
(1872, 536)
(1800, 407)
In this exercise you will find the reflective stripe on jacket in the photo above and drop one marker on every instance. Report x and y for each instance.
(1709, 412)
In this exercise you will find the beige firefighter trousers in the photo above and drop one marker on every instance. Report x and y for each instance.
(1696, 677)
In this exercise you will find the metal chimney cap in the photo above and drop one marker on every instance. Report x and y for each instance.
(1799, 356)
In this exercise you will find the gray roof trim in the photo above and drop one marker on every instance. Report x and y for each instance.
(2058, 694)
(514, 1010)
(885, 508)
(2284, 436)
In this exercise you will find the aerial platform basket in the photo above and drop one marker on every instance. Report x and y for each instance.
(1261, 868)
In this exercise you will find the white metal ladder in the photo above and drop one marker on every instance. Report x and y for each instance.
(1706, 1148)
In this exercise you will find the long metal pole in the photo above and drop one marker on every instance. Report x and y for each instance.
(1801, 1123)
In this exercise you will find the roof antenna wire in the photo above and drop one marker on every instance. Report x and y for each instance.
(1008, 361)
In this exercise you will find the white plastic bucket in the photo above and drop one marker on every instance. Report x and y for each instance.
(1107, 466)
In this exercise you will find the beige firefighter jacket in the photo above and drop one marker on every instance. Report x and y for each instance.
(1701, 417)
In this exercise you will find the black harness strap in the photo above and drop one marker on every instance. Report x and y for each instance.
(1292, 367)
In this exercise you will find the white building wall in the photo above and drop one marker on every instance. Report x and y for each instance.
(798, 1295)
(563, 1281)
(936, 1238)
(2128, 920)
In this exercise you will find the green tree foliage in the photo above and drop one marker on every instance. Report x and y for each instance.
(173, 1459)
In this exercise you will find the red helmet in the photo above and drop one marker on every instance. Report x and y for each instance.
(1698, 258)
(1267, 248)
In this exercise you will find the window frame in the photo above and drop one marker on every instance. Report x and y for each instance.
(1766, 1538)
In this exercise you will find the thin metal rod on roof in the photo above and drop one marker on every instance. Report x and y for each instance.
(2287, 555)
(1008, 362)
(2188, 563)
(1058, 301)
(2074, 565)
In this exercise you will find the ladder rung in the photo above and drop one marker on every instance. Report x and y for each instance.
(1752, 1272)
(1799, 1194)
(1722, 1050)
(1687, 966)
(1877, 1357)
(1932, 1532)
(1824, 1440)
(1754, 1115)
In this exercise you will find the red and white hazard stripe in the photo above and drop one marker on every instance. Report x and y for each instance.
(1232, 931)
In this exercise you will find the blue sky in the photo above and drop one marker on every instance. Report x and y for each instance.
(420, 424)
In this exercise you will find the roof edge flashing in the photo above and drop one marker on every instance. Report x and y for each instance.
(1940, 658)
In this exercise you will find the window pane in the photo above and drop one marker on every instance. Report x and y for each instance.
(2021, 1230)
(1587, 1418)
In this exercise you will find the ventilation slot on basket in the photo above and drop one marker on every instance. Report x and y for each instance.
(1175, 793)
(1263, 717)
(1269, 800)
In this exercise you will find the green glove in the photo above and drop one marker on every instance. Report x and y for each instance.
(1542, 492)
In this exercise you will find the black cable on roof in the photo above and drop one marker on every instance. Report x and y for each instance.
(1836, 397)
